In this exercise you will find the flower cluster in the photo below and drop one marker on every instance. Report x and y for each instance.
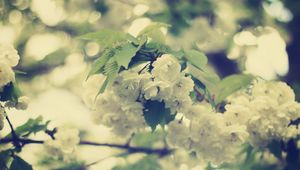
(258, 116)
(267, 112)
(64, 145)
(8, 58)
(205, 132)
(121, 105)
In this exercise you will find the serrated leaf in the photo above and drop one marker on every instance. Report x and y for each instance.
(19, 164)
(196, 58)
(110, 67)
(98, 65)
(206, 76)
(155, 114)
(111, 70)
(107, 37)
(231, 84)
(103, 87)
(31, 126)
(124, 54)
(154, 32)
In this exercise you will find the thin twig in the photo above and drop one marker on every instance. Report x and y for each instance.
(130, 149)
(15, 137)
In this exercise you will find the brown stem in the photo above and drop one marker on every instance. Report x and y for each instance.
(130, 149)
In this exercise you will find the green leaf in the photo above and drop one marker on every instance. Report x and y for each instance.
(19, 164)
(124, 54)
(146, 163)
(231, 84)
(206, 76)
(107, 37)
(98, 65)
(154, 32)
(155, 114)
(4, 159)
(111, 70)
(10, 92)
(275, 148)
(103, 87)
(31, 126)
(111, 67)
(196, 58)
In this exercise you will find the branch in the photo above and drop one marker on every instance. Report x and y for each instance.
(15, 137)
(130, 149)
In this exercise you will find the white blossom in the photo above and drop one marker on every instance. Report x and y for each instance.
(121, 105)
(6, 74)
(9, 55)
(166, 68)
(127, 85)
(208, 135)
(23, 102)
(279, 91)
(178, 134)
(266, 112)
(183, 86)
(64, 145)
(123, 116)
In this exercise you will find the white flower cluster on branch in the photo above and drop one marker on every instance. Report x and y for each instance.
(65, 143)
(206, 133)
(121, 105)
(267, 112)
(8, 58)
(256, 117)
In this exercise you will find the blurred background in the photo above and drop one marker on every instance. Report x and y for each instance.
(260, 37)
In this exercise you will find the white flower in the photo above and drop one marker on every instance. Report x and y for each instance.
(178, 104)
(23, 102)
(64, 145)
(127, 85)
(123, 116)
(237, 114)
(157, 90)
(9, 55)
(211, 137)
(183, 86)
(267, 112)
(178, 134)
(6, 74)
(166, 68)
(194, 111)
(278, 91)
(208, 135)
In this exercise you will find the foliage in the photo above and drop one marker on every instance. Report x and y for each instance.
(155, 114)
(19, 164)
(122, 52)
(146, 163)
(32, 126)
